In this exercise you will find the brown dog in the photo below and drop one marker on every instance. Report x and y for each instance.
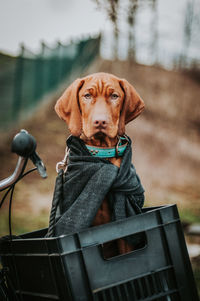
(96, 109)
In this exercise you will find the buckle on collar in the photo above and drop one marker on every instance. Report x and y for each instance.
(124, 137)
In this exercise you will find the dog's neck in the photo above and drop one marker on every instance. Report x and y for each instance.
(103, 141)
(100, 140)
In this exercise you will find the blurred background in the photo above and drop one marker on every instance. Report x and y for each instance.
(154, 44)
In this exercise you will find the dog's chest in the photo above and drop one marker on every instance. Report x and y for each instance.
(116, 161)
(103, 214)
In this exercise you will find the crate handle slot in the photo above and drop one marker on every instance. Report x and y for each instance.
(123, 246)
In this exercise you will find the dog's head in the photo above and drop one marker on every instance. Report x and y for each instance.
(99, 103)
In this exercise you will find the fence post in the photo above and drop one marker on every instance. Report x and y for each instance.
(38, 74)
(59, 62)
(42, 86)
(44, 70)
(18, 85)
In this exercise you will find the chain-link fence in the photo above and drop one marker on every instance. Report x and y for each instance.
(25, 79)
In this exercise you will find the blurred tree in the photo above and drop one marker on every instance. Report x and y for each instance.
(154, 30)
(111, 7)
(131, 15)
(131, 18)
(188, 28)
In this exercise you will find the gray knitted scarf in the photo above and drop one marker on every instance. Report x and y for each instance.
(89, 180)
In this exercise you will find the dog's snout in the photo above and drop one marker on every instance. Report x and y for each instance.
(100, 123)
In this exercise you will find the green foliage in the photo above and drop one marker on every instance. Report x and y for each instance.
(188, 215)
(23, 223)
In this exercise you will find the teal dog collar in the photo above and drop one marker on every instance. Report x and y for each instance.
(110, 152)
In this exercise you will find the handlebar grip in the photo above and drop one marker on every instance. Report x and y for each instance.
(23, 144)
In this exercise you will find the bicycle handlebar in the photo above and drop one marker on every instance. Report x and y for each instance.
(24, 145)
(16, 174)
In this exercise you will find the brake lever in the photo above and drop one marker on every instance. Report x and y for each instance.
(39, 164)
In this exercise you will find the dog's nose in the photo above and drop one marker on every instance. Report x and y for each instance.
(100, 123)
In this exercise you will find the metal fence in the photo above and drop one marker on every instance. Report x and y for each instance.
(26, 79)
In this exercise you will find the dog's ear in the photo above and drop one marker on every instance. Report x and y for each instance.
(132, 107)
(67, 107)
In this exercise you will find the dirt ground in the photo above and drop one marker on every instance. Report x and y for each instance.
(166, 144)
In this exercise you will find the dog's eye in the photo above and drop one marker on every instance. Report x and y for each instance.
(87, 95)
(114, 96)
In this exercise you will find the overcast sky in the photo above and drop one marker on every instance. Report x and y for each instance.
(31, 21)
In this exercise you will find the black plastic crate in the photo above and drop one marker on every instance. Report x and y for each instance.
(72, 267)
